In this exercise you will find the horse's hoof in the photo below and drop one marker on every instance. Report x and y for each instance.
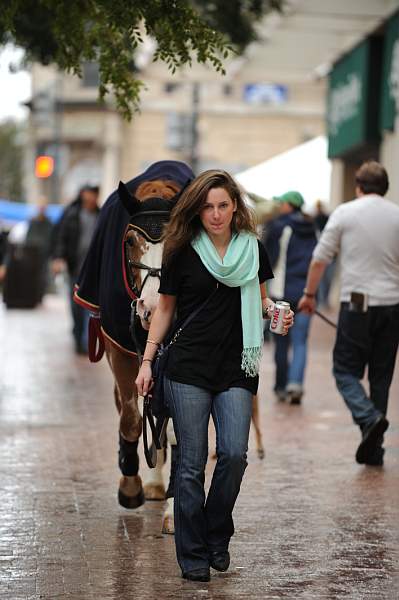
(131, 501)
(261, 453)
(154, 491)
(168, 525)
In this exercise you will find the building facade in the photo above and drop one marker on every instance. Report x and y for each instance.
(208, 120)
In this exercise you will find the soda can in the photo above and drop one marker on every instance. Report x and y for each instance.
(281, 309)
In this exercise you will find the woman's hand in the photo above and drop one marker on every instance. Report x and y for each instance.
(288, 322)
(267, 308)
(144, 379)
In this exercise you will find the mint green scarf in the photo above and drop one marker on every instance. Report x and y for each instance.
(239, 268)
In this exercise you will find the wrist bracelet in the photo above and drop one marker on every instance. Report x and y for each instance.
(265, 313)
(147, 360)
(153, 342)
(306, 293)
(265, 310)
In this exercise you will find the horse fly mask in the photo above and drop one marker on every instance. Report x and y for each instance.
(145, 229)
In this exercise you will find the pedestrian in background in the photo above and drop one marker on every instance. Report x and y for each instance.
(72, 241)
(39, 235)
(365, 233)
(26, 260)
(211, 253)
(290, 241)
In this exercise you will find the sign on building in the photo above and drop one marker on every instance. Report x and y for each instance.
(353, 96)
(265, 93)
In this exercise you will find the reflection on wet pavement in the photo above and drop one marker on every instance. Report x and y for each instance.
(310, 522)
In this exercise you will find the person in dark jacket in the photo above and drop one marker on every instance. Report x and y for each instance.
(39, 236)
(290, 241)
(73, 237)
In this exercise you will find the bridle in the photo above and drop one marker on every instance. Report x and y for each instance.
(151, 272)
(149, 224)
(153, 234)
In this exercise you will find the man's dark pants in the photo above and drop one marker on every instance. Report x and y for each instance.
(366, 339)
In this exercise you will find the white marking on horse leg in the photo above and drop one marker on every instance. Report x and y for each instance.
(170, 433)
(168, 523)
(154, 488)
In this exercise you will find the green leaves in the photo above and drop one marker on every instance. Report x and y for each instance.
(68, 33)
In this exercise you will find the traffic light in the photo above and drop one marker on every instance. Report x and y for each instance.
(44, 166)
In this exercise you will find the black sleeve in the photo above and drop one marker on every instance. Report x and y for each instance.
(170, 277)
(265, 270)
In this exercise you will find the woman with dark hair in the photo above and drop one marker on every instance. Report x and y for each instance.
(212, 255)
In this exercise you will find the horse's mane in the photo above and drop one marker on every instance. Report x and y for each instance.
(157, 189)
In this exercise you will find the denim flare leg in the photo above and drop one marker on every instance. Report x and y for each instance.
(292, 370)
(205, 524)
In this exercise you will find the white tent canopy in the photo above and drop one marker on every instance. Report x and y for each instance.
(304, 168)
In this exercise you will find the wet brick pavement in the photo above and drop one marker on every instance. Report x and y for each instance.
(310, 522)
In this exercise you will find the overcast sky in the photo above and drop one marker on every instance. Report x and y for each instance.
(14, 88)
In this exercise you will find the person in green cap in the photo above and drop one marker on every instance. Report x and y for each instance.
(290, 241)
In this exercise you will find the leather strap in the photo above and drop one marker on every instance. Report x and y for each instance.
(158, 433)
(96, 339)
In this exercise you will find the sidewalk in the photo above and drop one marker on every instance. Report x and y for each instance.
(310, 522)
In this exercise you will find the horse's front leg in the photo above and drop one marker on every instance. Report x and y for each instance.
(154, 487)
(256, 421)
(125, 369)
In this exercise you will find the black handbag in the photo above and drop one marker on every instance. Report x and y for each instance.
(155, 409)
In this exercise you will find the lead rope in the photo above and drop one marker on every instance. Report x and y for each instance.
(326, 319)
(149, 451)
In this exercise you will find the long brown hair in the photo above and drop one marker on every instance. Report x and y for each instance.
(185, 223)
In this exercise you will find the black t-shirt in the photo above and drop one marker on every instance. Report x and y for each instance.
(207, 353)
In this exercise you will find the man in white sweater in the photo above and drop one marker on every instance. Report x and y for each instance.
(365, 234)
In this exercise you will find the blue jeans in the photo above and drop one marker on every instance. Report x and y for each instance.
(292, 371)
(366, 339)
(80, 318)
(205, 524)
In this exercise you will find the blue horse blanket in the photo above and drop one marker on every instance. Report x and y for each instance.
(101, 286)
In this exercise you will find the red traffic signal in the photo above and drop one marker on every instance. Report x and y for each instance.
(44, 166)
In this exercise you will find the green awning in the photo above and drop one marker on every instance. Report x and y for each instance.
(390, 74)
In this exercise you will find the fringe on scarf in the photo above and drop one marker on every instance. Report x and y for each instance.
(250, 359)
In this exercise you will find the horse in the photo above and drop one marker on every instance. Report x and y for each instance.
(121, 269)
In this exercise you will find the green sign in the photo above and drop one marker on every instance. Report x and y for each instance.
(351, 94)
(390, 75)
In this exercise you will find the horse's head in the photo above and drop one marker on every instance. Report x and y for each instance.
(149, 210)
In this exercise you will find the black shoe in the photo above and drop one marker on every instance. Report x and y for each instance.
(294, 397)
(220, 560)
(198, 574)
(370, 438)
(376, 458)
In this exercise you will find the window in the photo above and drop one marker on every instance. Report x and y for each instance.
(91, 74)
